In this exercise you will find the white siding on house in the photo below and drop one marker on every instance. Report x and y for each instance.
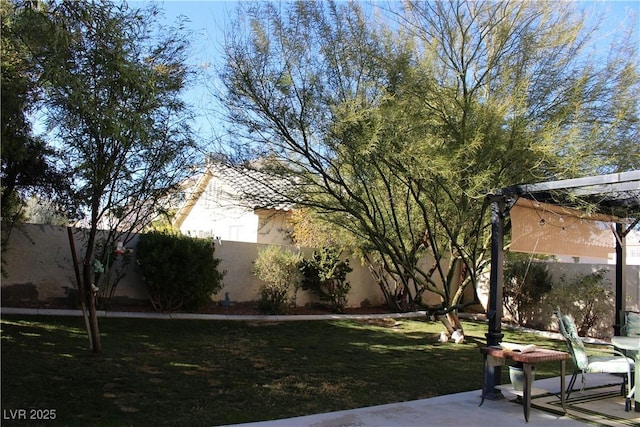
(216, 213)
(215, 207)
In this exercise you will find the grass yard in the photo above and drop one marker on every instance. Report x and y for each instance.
(203, 372)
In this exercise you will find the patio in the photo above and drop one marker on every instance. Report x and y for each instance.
(603, 210)
(462, 408)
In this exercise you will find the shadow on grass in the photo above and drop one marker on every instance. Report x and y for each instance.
(191, 372)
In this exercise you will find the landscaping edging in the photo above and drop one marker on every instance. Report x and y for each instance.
(266, 318)
(198, 316)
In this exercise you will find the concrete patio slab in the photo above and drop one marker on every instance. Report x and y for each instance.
(460, 409)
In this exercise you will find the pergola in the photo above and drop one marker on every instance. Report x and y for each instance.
(613, 199)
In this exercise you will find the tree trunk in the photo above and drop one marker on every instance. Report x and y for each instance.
(79, 284)
(444, 319)
(454, 320)
(90, 295)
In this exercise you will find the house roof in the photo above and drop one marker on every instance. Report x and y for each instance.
(253, 188)
(257, 188)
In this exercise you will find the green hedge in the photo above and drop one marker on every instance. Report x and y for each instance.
(180, 271)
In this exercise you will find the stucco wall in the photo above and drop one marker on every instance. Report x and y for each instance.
(557, 269)
(604, 326)
(237, 260)
(632, 272)
(39, 267)
(273, 226)
(36, 257)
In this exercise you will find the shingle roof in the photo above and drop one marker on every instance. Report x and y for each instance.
(259, 189)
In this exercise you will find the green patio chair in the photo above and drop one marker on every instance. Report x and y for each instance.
(617, 363)
(631, 327)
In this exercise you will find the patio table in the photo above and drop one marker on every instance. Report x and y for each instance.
(496, 356)
(630, 343)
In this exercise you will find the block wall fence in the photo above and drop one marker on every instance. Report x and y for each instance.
(38, 268)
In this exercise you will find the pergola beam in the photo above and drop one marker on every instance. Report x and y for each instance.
(611, 183)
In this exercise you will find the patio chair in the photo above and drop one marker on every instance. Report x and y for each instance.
(617, 363)
(630, 328)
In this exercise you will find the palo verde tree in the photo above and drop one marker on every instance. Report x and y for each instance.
(113, 79)
(395, 123)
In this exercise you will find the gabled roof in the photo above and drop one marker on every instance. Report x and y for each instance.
(258, 189)
(252, 188)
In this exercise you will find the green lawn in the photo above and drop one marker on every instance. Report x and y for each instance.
(201, 373)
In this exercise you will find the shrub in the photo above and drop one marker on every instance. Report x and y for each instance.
(180, 271)
(325, 275)
(278, 268)
(525, 284)
(587, 298)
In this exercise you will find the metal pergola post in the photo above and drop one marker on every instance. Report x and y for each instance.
(621, 274)
(621, 279)
(494, 309)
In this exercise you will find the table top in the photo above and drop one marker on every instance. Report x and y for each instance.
(627, 343)
(539, 355)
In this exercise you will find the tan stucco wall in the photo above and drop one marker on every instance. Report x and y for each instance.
(38, 257)
(632, 282)
(558, 269)
(273, 227)
(35, 256)
(237, 260)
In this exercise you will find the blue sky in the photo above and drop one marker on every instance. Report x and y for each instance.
(209, 18)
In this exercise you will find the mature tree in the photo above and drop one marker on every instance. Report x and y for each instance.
(396, 123)
(30, 166)
(113, 81)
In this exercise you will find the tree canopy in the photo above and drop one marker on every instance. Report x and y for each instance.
(111, 78)
(396, 122)
(30, 165)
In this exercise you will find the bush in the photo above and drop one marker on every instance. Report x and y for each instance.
(180, 271)
(525, 285)
(325, 275)
(278, 268)
(587, 298)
